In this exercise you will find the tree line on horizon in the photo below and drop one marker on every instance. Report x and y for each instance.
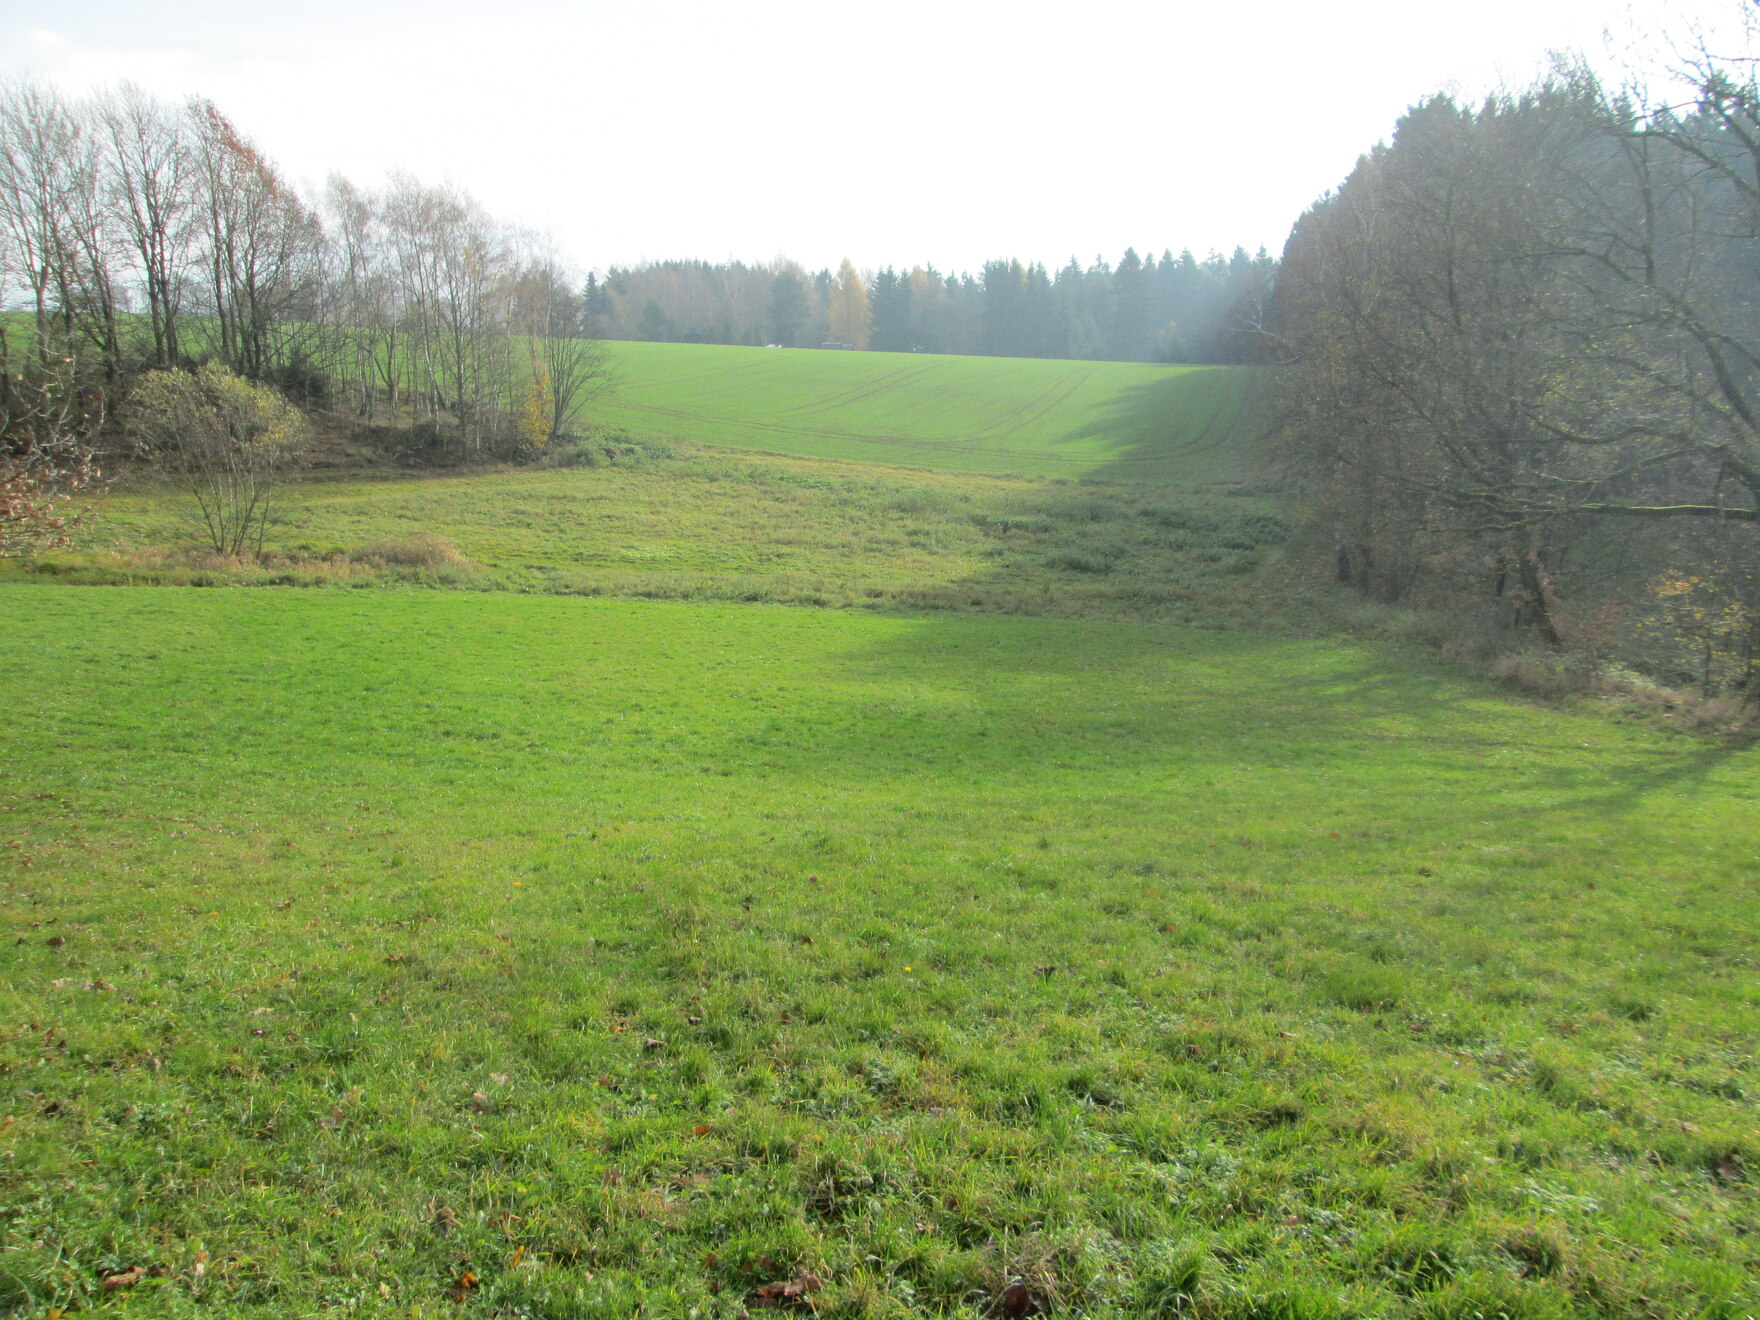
(1178, 309)
(1521, 378)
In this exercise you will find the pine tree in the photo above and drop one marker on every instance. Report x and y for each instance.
(788, 311)
(1130, 309)
(891, 301)
(1003, 320)
(1042, 323)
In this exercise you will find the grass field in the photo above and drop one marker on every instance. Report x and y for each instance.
(718, 526)
(1076, 928)
(432, 953)
(1117, 421)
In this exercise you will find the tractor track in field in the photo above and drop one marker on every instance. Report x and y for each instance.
(1045, 403)
(875, 386)
(1051, 419)
(940, 446)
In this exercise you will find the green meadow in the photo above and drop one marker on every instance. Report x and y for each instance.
(425, 953)
(708, 523)
(719, 882)
(1114, 421)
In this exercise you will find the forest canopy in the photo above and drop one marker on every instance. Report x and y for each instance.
(1522, 348)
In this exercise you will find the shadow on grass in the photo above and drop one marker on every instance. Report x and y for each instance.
(1202, 426)
(1321, 723)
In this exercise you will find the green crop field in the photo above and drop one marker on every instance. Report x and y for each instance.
(416, 953)
(1118, 421)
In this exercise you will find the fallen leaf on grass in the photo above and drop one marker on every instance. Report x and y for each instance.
(127, 1279)
(463, 1288)
(785, 1292)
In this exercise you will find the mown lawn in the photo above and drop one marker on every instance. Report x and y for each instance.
(437, 953)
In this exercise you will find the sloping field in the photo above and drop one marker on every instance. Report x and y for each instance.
(720, 524)
(423, 954)
(1119, 421)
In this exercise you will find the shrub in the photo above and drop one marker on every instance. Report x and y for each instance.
(228, 440)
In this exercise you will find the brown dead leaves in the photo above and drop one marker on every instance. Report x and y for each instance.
(783, 1293)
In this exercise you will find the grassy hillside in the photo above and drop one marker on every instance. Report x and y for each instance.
(421, 954)
(708, 524)
(506, 952)
(1116, 421)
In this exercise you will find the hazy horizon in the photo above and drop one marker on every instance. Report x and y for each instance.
(642, 133)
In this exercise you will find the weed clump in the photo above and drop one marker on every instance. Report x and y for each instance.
(422, 550)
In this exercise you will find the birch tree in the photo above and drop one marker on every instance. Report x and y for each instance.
(151, 176)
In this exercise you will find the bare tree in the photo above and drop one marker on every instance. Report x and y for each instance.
(42, 153)
(454, 273)
(564, 368)
(260, 249)
(365, 306)
(152, 175)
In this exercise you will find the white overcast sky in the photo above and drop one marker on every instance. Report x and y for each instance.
(894, 133)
